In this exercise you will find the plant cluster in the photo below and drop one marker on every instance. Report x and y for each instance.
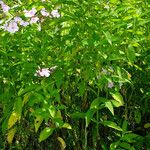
(75, 74)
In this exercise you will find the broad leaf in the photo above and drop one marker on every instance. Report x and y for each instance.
(45, 133)
(118, 97)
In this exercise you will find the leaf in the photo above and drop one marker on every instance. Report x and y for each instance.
(116, 103)
(89, 116)
(112, 125)
(16, 114)
(18, 107)
(137, 116)
(67, 126)
(10, 135)
(45, 133)
(131, 53)
(125, 125)
(12, 120)
(78, 115)
(131, 137)
(125, 145)
(37, 122)
(62, 143)
(96, 102)
(118, 97)
(108, 37)
(147, 125)
(110, 107)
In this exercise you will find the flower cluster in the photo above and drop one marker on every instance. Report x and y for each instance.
(12, 25)
(5, 8)
(45, 72)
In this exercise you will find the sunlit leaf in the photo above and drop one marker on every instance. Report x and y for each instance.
(45, 133)
(96, 102)
(37, 122)
(10, 135)
(112, 125)
(67, 126)
(118, 97)
(109, 106)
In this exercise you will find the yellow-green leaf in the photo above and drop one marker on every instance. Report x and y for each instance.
(37, 122)
(10, 135)
(62, 143)
(147, 125)
(118, 97)
(67, 125)
(12, 120)
(45, 133)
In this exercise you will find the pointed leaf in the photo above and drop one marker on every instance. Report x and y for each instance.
(108, 37)
(45, 133)
(12, 119)
(112, 125)
(67, 126)
(10, 135)
(89, 116)
(37, 122)
(110, 107)
(118, 97)
(96, 102)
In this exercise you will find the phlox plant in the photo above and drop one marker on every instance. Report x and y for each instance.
(75, 74)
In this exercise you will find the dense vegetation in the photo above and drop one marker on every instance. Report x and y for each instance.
(75, 74)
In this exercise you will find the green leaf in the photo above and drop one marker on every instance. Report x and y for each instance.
(78, 115)
(16, 114)
(125, 125)
(12, 119)
(67, 126)
(10, 135)
(89, 116)
(131, 53)
(111, 125)
(108, 37)
(125, 145)
(96, 102)
(130, 137)
(147, 125)
(116, 103)
(118, 97)
(110, 107)
(37, 122)
(45, 133)
(137, 116)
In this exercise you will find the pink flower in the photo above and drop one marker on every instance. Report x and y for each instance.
(110, 84)
(44, 12)
(24, 23)
(17, 19)
(34, 20)
(55, 13)
(5, 7)
(45, 72)
(30, 13)
(12, 27)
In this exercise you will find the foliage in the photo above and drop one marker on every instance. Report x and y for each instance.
(76, 75)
